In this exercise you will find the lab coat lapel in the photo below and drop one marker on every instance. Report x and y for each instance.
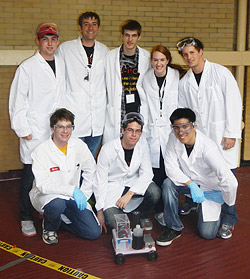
(83, 55)
(45, 65)
(191, 80)
(120, 153)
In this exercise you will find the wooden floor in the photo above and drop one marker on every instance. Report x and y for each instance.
(187, 257)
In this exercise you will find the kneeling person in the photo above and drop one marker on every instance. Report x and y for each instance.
(124, 176)
(57, 165)
(192, 159)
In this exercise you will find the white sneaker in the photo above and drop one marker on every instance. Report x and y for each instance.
(28, 228)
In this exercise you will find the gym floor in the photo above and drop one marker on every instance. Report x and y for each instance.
(187, 257)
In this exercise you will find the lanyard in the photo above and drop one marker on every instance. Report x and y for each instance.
(161, 95)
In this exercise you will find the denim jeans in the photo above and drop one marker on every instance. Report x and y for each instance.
(159, 177)
(83, 222)
(25, 206)
(151, 197)
(170, 193)
(93, 143)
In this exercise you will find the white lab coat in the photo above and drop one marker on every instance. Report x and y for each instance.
(206, 167)
(86, 99)
(35, 94)
(57, 174)
(114, 88)
(158, 127)
(113, 173)
(217, 105)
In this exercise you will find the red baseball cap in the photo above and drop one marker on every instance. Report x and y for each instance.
(47, 28)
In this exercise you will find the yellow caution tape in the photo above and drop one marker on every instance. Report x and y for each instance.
(45, 262)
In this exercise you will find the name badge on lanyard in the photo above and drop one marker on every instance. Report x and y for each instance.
(130, 98)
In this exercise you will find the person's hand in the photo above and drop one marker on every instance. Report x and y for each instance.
(228, 143)
(29, 137)
(80, 199)
(101, 219)
(196, 193)
(124, 200)
(214, 195)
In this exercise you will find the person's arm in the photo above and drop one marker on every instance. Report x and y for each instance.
(172, 166)
(140, 184)
(228, 143)
(233, 109)
(88, 166)
(18, 104)
(124, 200)
(101, 219)
(101, 178)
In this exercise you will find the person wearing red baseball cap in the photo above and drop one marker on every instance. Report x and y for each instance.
(36, 92)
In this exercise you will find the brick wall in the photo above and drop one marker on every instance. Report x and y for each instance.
(164, 22)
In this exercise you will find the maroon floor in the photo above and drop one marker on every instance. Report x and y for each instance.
(187, 257)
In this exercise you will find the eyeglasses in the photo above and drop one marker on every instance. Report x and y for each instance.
(132, 131)
(186, 42)
(63, 128)
(185, 128)
(133, 116)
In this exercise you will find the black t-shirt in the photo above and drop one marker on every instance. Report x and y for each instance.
(128, 155)
(130, 77)
(198, 77)
(90, 53)
(52, 65)
(189, 149)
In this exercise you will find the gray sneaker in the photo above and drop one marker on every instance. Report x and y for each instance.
(28, 228)
(159, 217)
(225, 231)
(49, 237)
(146, 224)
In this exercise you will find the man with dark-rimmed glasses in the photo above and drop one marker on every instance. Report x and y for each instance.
(211, 91)
(124, 176)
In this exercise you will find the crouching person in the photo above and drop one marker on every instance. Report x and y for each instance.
(124, 176)
(195, 166)
(57, 166)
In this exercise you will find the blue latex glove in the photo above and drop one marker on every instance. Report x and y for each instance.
(196, 193)
(80, 199)
(214, 195)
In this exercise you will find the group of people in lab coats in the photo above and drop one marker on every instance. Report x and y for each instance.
(132, 100)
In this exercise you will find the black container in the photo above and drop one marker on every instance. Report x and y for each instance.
(136, 215)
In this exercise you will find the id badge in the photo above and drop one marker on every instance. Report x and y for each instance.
(130, 98)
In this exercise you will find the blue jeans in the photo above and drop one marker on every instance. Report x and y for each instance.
(170, 193)
(150, 199)
(93, 143)
(83, 223)
(25, 206)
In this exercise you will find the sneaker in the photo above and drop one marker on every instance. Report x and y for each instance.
(159, 217)
(28, 228)
(167, 236)
(146, 224)
(225, 231)
(49, 237)
(186, 209)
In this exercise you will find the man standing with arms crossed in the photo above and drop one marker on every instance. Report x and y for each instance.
(125, 68)
(211, 91)
(36, 91)
(85, 80)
